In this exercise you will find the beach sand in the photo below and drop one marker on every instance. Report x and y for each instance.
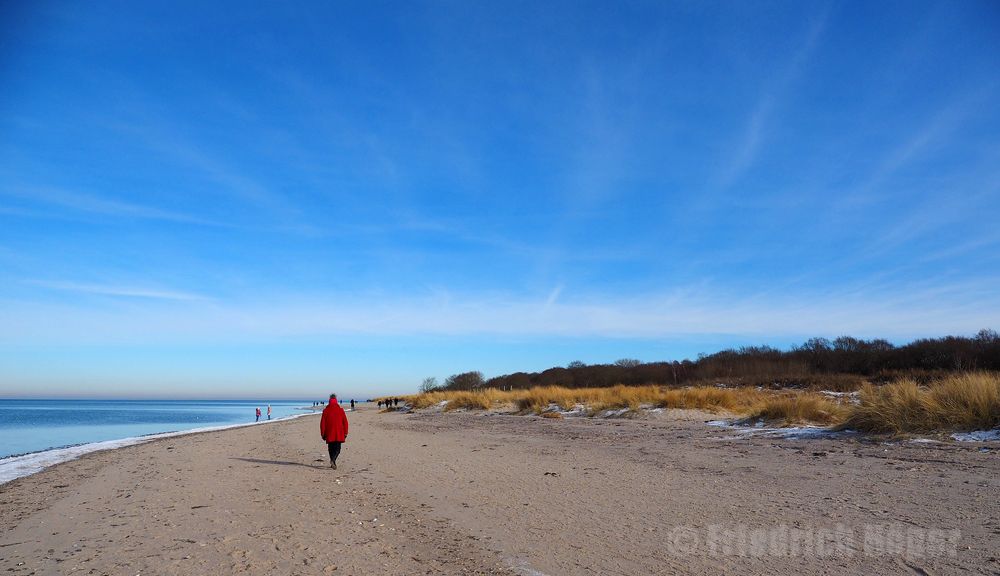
(497, 494)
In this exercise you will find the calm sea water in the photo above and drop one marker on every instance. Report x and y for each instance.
(34, 425)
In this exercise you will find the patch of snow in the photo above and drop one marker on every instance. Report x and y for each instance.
(612, 413)
(978, 436)
(799, 433)
(744, 431)
(522, 567)
(852, 397)
(578, 410)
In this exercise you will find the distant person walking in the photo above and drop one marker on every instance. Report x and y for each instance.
(352, 404)
(268, 411)
(333, 428)
(258, 415)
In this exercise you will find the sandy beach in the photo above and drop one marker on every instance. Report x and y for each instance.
(485, 493)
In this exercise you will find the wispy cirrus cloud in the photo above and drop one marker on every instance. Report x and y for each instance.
(962, 306)
(141, 119)
(125, 291)
(96, 204)
(553, 297)
(233, 182)
(923, 209)
(934, 131)
(761, 116)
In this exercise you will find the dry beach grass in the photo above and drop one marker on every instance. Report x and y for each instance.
(957, 402)
(785, 405)
(960, 402)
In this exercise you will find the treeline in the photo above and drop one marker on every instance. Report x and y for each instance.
(842, 363)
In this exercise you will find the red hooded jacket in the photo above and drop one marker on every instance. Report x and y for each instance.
(333, 424)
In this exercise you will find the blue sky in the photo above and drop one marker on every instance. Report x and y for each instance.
(267, 200)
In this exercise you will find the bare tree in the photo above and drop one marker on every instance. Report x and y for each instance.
(428, 384)
(465, 381)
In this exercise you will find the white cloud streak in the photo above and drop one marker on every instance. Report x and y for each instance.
(936, 131)
(94, 204)
(771, 95)
(553, 297)
(119, 291)
(959, 308)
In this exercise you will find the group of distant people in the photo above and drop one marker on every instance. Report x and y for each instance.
(388, 402)
(268, 413)
(339, 402)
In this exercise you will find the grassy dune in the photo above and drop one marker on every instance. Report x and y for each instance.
(774, 406)
(960, 402)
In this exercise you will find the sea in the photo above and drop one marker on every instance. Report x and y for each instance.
(38, 433)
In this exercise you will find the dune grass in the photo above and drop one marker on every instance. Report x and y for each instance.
(484, 399)
(787, 410)
(595, 400)
(540, 400)
(960, 402)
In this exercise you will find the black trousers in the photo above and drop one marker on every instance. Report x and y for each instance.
(334, 449)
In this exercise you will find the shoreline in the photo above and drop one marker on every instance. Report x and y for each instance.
(18, 466)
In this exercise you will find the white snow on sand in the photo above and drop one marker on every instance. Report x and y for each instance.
(580, 410)
(978, 436)
(521, 567)
(744, 431)
(852, 397)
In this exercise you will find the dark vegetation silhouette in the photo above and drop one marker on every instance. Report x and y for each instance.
(841, 364)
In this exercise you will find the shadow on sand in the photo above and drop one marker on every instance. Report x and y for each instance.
(278, 462)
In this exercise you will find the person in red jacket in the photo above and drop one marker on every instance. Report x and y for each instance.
(333, 428)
